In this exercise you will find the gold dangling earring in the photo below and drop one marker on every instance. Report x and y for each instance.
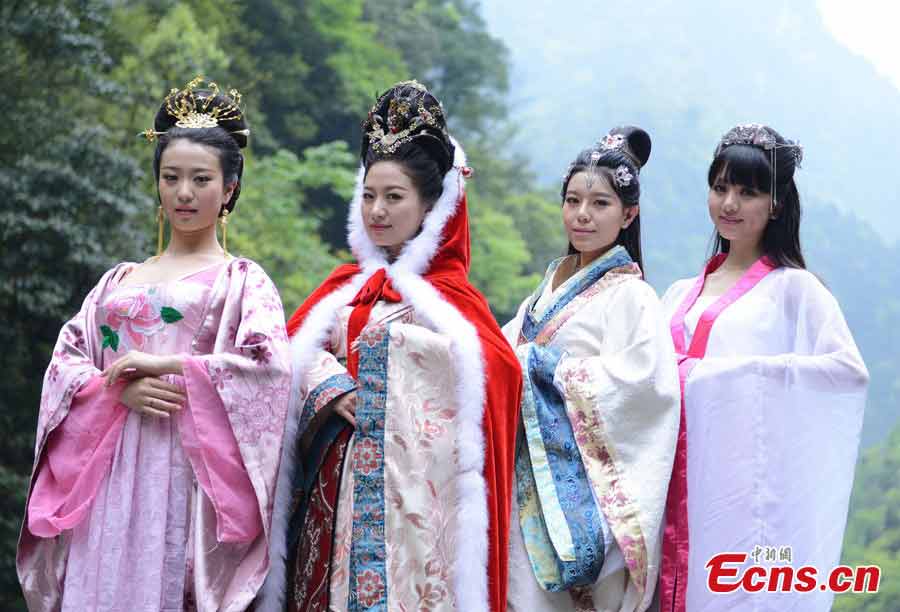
(160, 225)
(223, 221)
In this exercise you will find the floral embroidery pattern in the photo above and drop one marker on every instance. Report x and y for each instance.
(218, 376)
(367, 457)
(369, 588)
(613, 277)
(372, 336)
(569, 514)
(135, 314)
(618, 508)
(617, 257)
(318, 398)
(310, 573)
(367, 554)
(254, 415)
(260, 354)
(75, 337)
(420, 481)
(430, 595)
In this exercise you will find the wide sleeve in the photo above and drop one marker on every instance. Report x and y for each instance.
(326, 380)
(74, 364)
(774, 441)
(821, 355)
(624, 406)
(73, 450)
(238, 396)
(210, 444)
(825, 357)
(76, 459)
(76, 359)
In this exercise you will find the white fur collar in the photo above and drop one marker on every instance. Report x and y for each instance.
(471, 562)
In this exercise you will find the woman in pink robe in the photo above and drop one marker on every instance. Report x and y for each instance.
(162, 411)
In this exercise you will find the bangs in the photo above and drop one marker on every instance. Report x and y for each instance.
(742, 165)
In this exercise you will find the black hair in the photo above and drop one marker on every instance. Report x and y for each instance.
(407, 126)
(751, 166)
(423, 170)
(228, 138)
(633, 157)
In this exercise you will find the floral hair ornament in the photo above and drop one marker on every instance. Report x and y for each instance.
(622, 176)
(762, 137)
(193, 110)
(618, 142)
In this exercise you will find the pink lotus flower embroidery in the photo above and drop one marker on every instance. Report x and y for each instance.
(134, 312)
(137, 315)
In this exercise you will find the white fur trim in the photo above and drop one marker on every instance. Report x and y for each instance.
(470, 565)
(369, 256)
(312, 336)
(418, 252)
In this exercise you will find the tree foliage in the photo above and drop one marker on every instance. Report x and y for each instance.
(83, 77)
(873, 529)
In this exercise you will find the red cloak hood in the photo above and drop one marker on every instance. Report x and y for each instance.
(431, 274)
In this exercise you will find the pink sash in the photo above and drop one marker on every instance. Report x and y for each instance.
(673, 572)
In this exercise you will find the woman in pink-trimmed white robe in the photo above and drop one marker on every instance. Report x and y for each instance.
(162, 411)
(773, 392)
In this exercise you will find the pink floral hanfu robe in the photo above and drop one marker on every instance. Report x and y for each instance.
(141, 513)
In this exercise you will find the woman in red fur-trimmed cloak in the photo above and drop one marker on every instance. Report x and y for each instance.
(396, 494)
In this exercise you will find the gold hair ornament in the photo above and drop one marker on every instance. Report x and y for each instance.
(193, 111)
(407, 118)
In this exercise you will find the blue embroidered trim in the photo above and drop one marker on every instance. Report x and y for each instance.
(617, 257)
(330, 388)
(368, 571)
(573, 488)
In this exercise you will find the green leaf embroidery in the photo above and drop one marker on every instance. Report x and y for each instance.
(170, 315)
(110, 338)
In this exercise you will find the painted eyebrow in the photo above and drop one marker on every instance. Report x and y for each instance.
(388, 187)
(593, 194)
(198, 169)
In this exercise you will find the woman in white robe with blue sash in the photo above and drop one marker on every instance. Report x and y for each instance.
(600, 407)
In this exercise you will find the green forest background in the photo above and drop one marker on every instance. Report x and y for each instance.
(81, 79)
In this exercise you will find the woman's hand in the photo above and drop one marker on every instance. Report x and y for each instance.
(136, 364)
(153, 396)
(345, 406)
